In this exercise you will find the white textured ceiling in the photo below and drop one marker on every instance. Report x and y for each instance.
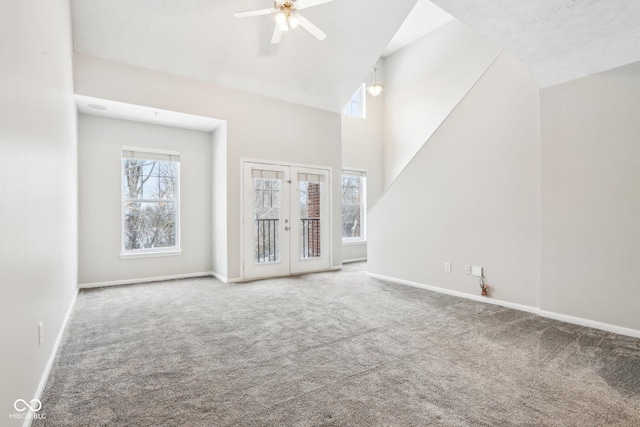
(560, 40)
(201, 39)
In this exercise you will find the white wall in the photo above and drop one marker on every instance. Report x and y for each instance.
(470, 196)
(362, 145)
(100, 142)
(219, 202)
(423, 83)
(362, 148)
(257, 128)
(591, 197)
(38, 199)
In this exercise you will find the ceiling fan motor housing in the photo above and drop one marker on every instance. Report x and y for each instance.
(286, 7)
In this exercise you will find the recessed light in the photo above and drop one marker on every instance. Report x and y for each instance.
(97, 107)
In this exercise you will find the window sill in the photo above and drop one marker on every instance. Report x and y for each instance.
(353, 242)
(132, 255)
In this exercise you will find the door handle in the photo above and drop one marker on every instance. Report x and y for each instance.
(287, 228)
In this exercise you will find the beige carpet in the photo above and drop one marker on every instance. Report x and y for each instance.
(330, 349)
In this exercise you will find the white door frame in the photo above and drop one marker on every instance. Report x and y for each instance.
(329, 202)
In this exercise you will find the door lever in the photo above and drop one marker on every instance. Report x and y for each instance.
(287, 228)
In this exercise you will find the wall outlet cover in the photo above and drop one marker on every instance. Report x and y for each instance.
(476, 271)
(467, 269)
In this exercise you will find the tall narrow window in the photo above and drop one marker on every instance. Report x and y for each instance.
(356, 106)
(353, 206)
(150, 201)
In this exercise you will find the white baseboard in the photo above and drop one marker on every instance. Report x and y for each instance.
(224, 279)
(535, 310)
(591, 323)
(347, 261)
(52, 358)
(143, 280)
(219, 277)
(479, 298)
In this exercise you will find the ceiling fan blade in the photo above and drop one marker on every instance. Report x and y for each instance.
(255, 13)
(305, 4)
(315, 31)
(277, 35)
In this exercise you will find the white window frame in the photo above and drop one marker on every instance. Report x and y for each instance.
(362, 174)
(150, 252)
(359, 97)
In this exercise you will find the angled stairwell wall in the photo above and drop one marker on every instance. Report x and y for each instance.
(471, 195)
(423, 83)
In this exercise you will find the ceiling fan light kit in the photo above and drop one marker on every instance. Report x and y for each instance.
(294, 20)
(287, 17)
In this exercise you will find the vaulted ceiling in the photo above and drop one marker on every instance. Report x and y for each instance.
(559, 39)
(201, 39)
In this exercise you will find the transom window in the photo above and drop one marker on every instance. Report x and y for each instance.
(150, 202)
(357, 105)
(353, 206)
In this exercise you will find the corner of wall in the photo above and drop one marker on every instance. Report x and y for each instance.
(219, 202)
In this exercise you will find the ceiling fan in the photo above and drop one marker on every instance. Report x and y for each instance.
(287, 17)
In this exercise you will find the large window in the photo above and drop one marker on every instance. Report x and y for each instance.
(357, 105)
(353, 206)
(150, 202)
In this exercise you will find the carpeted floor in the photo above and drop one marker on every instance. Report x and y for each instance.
(330, 349)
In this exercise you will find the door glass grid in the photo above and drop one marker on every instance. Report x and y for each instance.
(266, 209)
(310, 203)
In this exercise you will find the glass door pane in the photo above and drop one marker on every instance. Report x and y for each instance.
(310, 215)
(266, 213)
(310, 219)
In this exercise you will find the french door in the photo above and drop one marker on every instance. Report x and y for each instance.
(285, 220)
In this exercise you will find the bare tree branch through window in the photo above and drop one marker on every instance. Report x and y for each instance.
(150, 211)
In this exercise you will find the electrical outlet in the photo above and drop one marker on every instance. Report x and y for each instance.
(40, 333)
(467, 269)
(447, 267)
